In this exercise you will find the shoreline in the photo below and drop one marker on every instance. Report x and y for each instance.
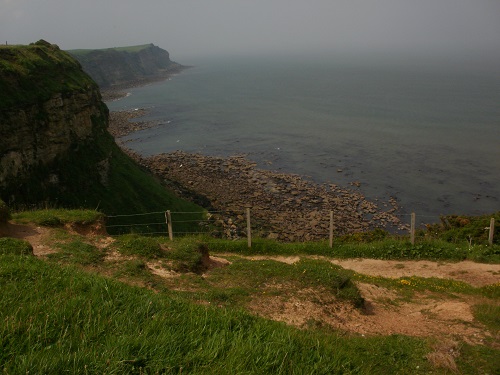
(119, 91)
(285, 206)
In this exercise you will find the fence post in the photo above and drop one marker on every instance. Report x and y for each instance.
(249, 229)
(331, 229)
(169, 225)
(492, 231)
(412, 228)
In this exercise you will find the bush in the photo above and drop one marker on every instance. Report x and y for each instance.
(457, 228)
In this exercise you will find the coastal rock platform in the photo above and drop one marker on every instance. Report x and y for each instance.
(283, 206)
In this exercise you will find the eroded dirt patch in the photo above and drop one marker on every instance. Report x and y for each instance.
(427, 314)
(422, 317)
(475, 274)
(36, 236)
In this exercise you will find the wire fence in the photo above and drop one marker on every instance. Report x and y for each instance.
(288, 226)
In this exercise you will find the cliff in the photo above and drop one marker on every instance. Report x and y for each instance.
(54, 145)
(114, 67)
(48, 108)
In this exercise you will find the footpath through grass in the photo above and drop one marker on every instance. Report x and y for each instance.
(55, 317)
(59, 319)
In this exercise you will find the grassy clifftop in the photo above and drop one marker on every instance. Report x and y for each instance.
(131, 49)
(31, 74)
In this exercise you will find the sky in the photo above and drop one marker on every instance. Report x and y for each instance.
(193, 28)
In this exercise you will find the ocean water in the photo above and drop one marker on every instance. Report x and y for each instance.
(428, 135)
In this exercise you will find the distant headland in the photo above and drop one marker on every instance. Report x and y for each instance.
(115, 69)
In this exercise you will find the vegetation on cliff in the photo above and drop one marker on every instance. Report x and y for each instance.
(32, 74)
(55, 149)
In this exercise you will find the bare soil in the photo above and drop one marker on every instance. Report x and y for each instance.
(427, 314)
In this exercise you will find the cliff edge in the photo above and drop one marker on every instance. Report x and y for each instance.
(55, 149)
(125, 66)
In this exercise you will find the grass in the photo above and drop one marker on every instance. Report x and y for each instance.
(390, 248)
(185, 256)
(489, 315)
(66, 320)
(132, 244)
(32, 74)
(54, 317)
(58, 217)
(15, 247)
(82, 52)
(78, 252)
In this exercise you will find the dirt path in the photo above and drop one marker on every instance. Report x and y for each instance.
(425, 315)
(36, 236)
(475, 274)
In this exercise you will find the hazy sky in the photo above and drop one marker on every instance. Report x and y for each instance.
(190, 28)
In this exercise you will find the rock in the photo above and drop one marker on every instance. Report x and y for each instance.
(282, 204)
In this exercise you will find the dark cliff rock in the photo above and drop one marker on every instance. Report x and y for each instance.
(55, 148)
(115, 67)
(48, 109)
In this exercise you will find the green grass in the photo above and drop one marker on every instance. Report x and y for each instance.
(82, 52)
(253, 277)
(458, 228)
(489, 315)
(32, 74)
(132, 244)
(78, 252)
(54, 317)
(15, 247)
(390, 248)
(58, 217)
(58, 319)
(184, 255)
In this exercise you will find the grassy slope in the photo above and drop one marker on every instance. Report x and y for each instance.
(57, 319)
(55, 316)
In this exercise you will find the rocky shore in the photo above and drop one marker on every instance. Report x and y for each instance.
(283, 206)
(121, 124)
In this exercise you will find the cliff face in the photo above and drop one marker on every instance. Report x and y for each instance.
(54, 145)
(127, 65)
(49, 108)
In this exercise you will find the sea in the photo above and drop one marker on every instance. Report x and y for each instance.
(426, 134)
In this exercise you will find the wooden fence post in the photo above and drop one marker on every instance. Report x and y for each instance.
(169, 225)
(331, 229)
(249, 229)
(412, 229)
(492, 231)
